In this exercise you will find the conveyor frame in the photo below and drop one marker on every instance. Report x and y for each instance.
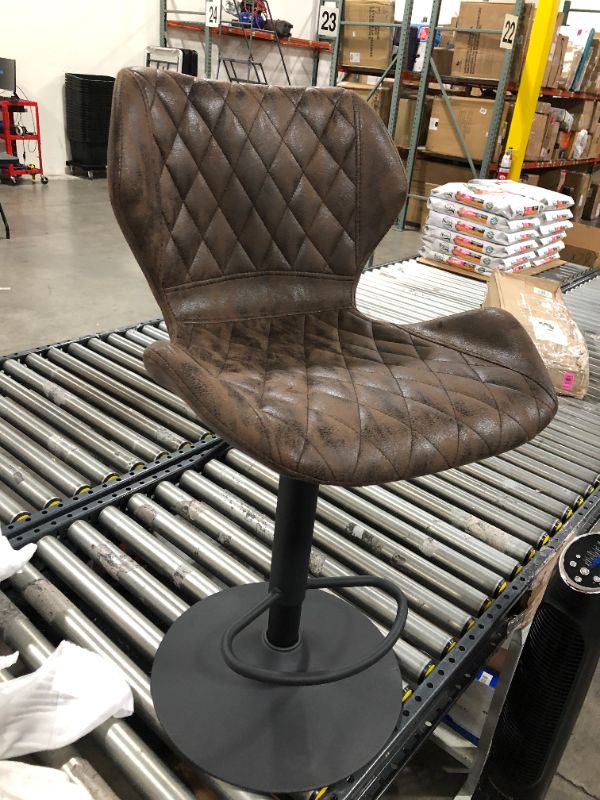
(434, 696)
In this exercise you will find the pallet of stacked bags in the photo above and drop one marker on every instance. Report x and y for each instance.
(486, 225)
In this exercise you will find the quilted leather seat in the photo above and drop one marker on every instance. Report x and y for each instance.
(252, 211)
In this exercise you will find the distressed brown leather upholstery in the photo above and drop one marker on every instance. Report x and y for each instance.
(252, 211)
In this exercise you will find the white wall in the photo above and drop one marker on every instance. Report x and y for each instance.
(423, 9)
(58, 36)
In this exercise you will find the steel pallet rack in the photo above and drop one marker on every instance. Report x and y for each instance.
(397, 69)
(210, 31)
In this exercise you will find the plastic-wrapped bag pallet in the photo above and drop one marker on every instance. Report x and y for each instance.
(553, 228)
(496, 250)
(551, 250)
(547, 199)
(478, 217)
(559, 215)
(454, 261)
(554, 237)
(491, 199)
(499, 225)
(449, 248)
(496, 235)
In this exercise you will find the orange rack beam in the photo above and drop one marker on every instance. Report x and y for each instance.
(291, 41)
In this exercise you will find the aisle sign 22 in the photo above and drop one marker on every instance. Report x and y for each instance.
(509, 32)
(213, 13)
(329, 20)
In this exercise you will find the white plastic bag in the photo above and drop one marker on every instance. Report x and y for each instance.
(27, 782)
(72, 693)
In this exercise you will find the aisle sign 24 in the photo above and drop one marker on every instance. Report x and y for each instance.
(329, 20)
(509, 32)
(213, 13)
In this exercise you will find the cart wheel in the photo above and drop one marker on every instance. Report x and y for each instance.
(44, 179)
(90, 173)
(13, 180)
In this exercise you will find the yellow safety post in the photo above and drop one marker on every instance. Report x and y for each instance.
(540, 42)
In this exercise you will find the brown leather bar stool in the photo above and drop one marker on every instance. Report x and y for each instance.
(252, 211)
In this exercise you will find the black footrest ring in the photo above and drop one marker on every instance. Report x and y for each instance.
(322, 676)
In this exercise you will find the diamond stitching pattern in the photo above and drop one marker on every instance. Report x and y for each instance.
(253, 181)
(357, 397)
(309, 160)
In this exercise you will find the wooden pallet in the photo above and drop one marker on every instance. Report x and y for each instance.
(478, 277)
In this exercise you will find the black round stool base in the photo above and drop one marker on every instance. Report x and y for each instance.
(266, 737)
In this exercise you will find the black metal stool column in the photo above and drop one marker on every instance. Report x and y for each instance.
(275, 707)
(294, 522)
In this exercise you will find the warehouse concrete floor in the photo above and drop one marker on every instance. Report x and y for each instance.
(67, 271)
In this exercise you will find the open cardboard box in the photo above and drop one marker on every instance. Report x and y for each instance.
(539, 306)
(582, 246)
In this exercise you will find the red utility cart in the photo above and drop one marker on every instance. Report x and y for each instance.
(8, 110)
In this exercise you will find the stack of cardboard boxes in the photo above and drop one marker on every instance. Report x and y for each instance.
(367, 46)
(479, 55)
(563, 128)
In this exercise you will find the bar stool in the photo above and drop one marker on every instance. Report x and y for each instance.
(252, 211)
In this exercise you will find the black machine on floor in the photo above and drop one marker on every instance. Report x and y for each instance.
(553, 676)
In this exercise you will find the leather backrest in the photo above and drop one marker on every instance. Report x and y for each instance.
(216, 185)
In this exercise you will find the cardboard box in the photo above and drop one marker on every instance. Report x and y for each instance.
(578, 142)
(379, 102)
(582, 110)
(539, 306)
(469, 714)
(594, 150)
(583, 246)
(591, 210)
(479, 55)
(443, 57)
(447, 38)
(536, 138)
(556, 56)
(550, 138)
(532, 178)
(406, 113)
(553, 179)
(562, 143)
(367, 45)
(473, 115)
(438, 172)
(591, 66)
(576, 185)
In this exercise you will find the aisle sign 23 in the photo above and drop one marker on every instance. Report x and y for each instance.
(329, 20)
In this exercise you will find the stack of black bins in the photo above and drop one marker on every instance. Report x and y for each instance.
(88, 101)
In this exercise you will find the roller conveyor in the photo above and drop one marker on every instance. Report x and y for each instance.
(172, 517)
